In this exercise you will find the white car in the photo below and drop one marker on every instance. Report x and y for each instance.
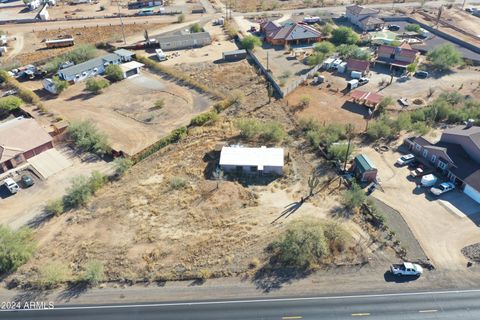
(406, 269)
(11, 185)
(406, 159)
(442, 188)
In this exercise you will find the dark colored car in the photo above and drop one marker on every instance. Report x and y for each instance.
(393, 27)
(27, 181)
(421, 74)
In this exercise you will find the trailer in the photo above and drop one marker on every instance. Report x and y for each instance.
(60, 43)
(234, 55)
(161, 56)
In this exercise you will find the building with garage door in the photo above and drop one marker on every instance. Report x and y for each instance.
(21, 139)
(457, 155)
(131, 69)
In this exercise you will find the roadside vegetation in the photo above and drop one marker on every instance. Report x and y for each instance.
(87, 138)
(82, 188)
(16, 247)
(9, 104)
(250, 129)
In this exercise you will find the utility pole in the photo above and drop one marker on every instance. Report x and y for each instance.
(463, 5)
(439, 16)
(121, 22)
(349, 132)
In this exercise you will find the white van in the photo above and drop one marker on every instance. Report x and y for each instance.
(429, 180)
(11, 185)
(356, 74)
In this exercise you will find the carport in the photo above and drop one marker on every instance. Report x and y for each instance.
(49, 162)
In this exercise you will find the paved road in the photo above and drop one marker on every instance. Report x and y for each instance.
(420, 305)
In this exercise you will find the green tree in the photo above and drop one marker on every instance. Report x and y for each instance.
(87, 137)
(94, 273)
(413, 27)
(344, 35)
(16, 247)
(250, 42)
(96, 86)
(384, 104)
(60, 85)
(315, 59)
(339, 151)
(353, 51)
(444, 57)
(195, 28)
(114, 72)
(354, 197)
(10, 103)
(122, 165)
(412, 67)
(78, 193)
(325, 47)
(303, 245)
(380, 128)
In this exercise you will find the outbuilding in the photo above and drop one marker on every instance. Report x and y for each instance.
(235, 55)
(252, 160)
(131, 69)
(184, 41)
(364, 169)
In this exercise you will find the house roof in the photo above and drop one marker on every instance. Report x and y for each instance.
(357, 65)
(124, 53)
(290, 31)
(363, 163)
(473, 133)
(371, 20)
(421, 141)
(385, 49)
(372, 98)
(131, 65)
(183, 37)
(89, 65)
(20, 135)
(359, 10)
(260, 157)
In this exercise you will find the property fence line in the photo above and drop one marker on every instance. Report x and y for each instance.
(267, 74)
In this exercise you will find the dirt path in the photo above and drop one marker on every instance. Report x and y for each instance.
(17, 47)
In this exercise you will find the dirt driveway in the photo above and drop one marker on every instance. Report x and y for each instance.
(441, 231)
(19, 209)
(126, 110)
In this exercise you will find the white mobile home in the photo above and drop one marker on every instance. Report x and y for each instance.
(252, 160)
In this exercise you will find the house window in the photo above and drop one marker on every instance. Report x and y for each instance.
(418, 147)
(425, 153)
(253, 168)
(434, 157)
(442, 165)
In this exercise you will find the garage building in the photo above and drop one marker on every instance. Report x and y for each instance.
(252, 160)
(131, 69)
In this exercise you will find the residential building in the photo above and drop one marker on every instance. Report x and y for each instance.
(290, 33)
(131, 69)
(457, 155)
(184, 41)
(93, 67)
(125, 55)
(397, 57)
(21, 139)
(364, 169)
(252, 160)
(366, 98)
(365, 18)
(362, 66)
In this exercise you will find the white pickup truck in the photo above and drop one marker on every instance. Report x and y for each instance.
(11, 185)
(406, 269)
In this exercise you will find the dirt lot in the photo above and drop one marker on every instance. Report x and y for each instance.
(441, 230)
(327, 107)
(131, 121)
(28, 204)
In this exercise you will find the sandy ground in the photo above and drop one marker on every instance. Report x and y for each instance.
(19, 209)
(442, 233)
(130, 120)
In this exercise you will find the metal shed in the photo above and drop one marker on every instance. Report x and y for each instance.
(235, 55)
(184, 41)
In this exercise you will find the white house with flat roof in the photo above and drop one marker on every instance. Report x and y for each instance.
(252, 160)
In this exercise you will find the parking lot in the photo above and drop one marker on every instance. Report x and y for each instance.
(28, 203)
(443, 226)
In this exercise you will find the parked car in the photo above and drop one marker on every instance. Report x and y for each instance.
(393, 27)
(471, 10)
(362, 81)
(27, 181)
(404, 102)
(421, 74)
(406, 269)
(420, 172)
(442, 188)
(406, 159)
(428, 180)
(11, 185)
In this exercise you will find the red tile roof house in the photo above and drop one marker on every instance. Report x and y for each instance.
(290, 33)
(21, 139)
(396, 57)
(364, 18)
(367, 98)
(457, 155)
(362, 66)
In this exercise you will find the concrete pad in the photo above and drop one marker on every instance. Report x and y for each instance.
(49, 162)
(459, 203)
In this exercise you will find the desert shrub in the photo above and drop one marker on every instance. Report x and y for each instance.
(403, 122)
(82, 188)
(325, 47)
(384, 104)
(445, 57)
(181, 18)
(114, 72)
(323, 135)
(420, 128)
(60, 85)
(177, 183)
(336, 236)
(272, 131)
(452, 97)
(413, 27)
(268, 131)
(354, 197)
(249, 128)
(230, 30)
(204, 274)
(54, 207)
(250, 42)
(86, 137)
(380, 128)
(52, 274)
(195, 28)
(16, 247)
(338, 151)
(417, 115)
(173, 137)
(28, 96)
(94, 273)
(96, 86)
(159, 104)
(122, 165)
(302, 246)
(316, 58)
(96, 181)
(204, 118)
(10, 103)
